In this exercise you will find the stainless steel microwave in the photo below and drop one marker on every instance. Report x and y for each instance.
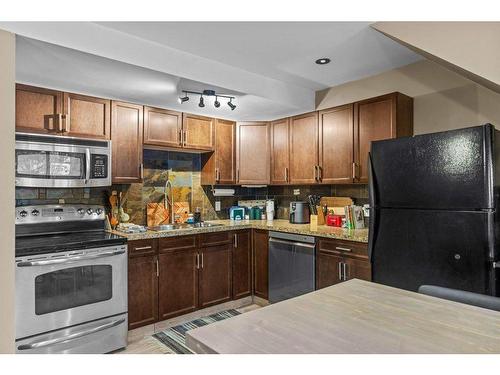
(60, 162)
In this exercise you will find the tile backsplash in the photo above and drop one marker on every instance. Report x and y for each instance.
(183, 170)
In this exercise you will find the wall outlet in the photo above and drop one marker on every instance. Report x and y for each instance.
(296, 191)
(217, 206)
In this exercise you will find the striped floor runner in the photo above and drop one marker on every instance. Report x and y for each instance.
(175, 337)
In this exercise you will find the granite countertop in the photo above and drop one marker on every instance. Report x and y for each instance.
(357, 235)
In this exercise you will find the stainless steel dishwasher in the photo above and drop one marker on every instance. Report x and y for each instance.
(291, 265)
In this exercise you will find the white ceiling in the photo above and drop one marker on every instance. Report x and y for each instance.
(269, 67)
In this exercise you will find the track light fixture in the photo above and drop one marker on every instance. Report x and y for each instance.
(184, 98)
(201, 104)
(231, 105)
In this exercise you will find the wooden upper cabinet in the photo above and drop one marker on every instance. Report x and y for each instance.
(86, 116)
(126, 137)
(225, 152)
(304, 148)
(383, 117)
(162, 127)
(253, 153)
(38, 110)
(280, 156)
(336, 145)
(198, 132)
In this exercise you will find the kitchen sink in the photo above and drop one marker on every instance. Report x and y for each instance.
(167, 227)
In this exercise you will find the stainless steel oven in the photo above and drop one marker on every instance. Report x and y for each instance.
(57, 161)
(71, 281)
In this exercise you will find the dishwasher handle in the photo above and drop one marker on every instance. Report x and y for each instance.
(301, 244)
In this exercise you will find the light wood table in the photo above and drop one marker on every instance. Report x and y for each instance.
(354, 317)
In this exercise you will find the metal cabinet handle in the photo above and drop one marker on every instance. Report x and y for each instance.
(315, 173)
(180, 137)
(320, 173)
(235, 240)
(66, 124)
(197, 261)
(58, 119)
(141, 171)
(354, 171)
(342, 248)
(157, 268)
(143, 248)
(340, 271)
(201, 260)
(70, 259)
(344, 271)
(185, 137)
(70, 337)
(237, 175)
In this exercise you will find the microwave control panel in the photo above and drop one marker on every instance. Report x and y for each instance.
(99, 166)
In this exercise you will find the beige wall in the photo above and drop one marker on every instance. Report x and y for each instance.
(7, 201)
(469, 48)
(443, 99)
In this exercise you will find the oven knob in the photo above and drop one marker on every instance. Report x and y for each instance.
(80, 211)
(35, 212)
(89, 211)
(23, 213)
(98, 211)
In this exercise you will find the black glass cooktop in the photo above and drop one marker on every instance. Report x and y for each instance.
(53, 243)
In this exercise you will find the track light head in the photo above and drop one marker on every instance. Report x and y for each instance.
(201, 104)
(231, 105)
(184, 98)
(216, 103)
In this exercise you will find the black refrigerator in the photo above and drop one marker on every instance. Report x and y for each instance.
(434, 216)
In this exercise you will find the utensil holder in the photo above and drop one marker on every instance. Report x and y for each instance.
(321, 216)
(313, 221)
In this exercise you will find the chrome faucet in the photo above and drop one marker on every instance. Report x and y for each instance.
(169, 202)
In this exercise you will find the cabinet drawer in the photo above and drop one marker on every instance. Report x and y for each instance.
(347, 248)
(218, 238)
(139, 248)
(171, 244)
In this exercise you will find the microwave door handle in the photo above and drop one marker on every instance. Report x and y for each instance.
(70, 259)
(87, 165)
(70, 337)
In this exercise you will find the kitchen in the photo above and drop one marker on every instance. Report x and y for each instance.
(137, 219)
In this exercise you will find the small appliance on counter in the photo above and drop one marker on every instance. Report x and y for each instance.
(299, 213)
(237, 213)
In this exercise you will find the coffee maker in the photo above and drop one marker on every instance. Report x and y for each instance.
(299, 213)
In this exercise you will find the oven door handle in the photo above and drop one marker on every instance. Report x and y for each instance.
(70, 337)
(87, 165)
(70, 259)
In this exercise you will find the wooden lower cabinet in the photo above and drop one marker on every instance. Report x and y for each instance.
(338, 261)
(142, 291)
(261, 263)
(215, 275)
(242, 264)
(178, 283)
(328, 269)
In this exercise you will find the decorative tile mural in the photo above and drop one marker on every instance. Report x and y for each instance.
(183, 171)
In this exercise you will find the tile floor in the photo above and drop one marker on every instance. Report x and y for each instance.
(140, 340)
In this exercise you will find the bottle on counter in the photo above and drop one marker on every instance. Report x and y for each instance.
(197, 215)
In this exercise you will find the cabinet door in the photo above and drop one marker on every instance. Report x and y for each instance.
(126, 137)
(38, 110)
(253, 153)
(162, 127)
(198, 132)
(215, 275)
(280, 156)
(142, 291)
(336, 145)
(328, 269)
(261, 263)
(225, 160)
(357, 269)
(304, 148)
(242, 264)
(86, 116)
(178, 283)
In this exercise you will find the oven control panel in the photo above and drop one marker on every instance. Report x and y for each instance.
(99, 166)
(58, 213)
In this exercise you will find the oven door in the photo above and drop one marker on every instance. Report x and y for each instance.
(66, 289)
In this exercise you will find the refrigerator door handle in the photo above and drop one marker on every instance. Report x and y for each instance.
(371, 201)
